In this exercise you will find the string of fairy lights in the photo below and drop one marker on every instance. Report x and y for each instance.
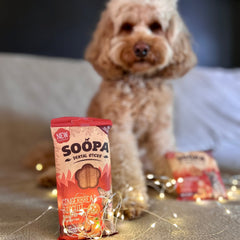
(163, 186)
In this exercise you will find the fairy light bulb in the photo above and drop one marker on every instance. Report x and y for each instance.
(157, 182)
(175, 215)
(39, 167)
(230, 194)
(235, 182)
(173, 181)
(141, 198)
(54, 192)
(234, 188)
(180, 180)
(150, 176)
(198, 200)
(228, 211)
(50, 207)
(168, 184)
(130, 189)
(162, 195)
(153, 225)
(175, 225)
(220, 199)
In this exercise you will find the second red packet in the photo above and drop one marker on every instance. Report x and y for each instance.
(197, 175)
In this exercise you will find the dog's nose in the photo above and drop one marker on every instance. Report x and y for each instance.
(141, 49)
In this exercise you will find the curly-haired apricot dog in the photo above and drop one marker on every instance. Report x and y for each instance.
(137, 46)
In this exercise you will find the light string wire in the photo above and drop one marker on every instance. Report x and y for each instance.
(32, 221)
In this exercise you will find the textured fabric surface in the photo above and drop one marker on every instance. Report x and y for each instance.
(21, 201)
(32, 91)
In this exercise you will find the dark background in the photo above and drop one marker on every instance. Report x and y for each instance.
(64, 27)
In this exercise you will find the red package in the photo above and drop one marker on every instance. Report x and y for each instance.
(197, 175)
(83, 174)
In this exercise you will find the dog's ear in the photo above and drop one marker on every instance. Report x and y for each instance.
(97, 52)
(183, 56)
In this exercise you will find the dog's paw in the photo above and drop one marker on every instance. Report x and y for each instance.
(133, 210)
(134, 204)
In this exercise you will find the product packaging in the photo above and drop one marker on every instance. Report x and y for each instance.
(83, 174)
(197, 175)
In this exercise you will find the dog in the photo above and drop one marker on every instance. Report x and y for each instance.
(137, 47)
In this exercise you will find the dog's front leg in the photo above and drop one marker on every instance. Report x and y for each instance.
(161, 137)
(161, 142)
(127, 173)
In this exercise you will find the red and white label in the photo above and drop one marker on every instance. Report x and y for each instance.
(62, 135)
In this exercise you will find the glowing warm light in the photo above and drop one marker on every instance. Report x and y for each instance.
(230, 194)
(198, 200)
(141, 198)
(122, 217)
(54, 192)
(175, 225)
(108, 232)
(220, 199)
(50, 207)
(39, 167)
(71, 210)
(175, 215)
(92, 222)
(173, 181)
(168, 184)
(180, 180)
(150, 176)
(162, 195)
(228, 211)
(65, 230)
(130, 189)
(235, 182)
(110, 214)
(157, 182)
(153, 225)
(118, 214)
(234, 188)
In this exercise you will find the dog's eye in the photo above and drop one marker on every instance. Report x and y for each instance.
(155, 27)
(127, 27)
